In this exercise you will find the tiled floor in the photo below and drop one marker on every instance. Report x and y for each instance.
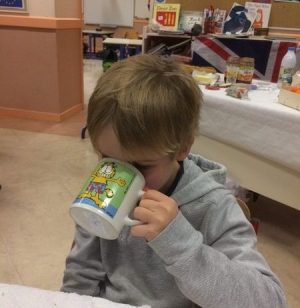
(42, 168)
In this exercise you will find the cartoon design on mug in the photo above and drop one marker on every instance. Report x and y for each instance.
(98, 184)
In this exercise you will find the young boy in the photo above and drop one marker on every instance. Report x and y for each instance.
(195, 248)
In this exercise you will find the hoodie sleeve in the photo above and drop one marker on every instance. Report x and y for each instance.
(220, 266)
(84, 271)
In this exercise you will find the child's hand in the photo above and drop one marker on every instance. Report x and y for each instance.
(157, 211)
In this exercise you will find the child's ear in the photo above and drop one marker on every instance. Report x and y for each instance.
(185, 150)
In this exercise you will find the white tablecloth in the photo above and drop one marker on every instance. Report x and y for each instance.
(16, 296)
(260, 125)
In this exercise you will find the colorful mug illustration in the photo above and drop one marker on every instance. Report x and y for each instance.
(107, 198)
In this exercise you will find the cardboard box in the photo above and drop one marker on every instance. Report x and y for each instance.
(289, 98)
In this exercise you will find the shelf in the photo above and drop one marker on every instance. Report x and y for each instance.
(167, 44)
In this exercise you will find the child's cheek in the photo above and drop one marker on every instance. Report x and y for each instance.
(152, 181)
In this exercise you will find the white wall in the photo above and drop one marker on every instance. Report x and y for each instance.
(141, 9)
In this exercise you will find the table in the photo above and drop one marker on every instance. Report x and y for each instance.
(29, 297)
(123, 45)
(213, 51)
(92, 35)
(257, 140)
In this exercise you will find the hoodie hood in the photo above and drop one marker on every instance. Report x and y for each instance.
(201, 176)
(209, 167)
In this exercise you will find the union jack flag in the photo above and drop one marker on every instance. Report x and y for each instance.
(267, 54)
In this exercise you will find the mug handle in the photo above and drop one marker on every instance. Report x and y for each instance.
(133, 222)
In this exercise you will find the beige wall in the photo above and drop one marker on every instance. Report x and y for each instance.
(41, 8)
(68, 8)
(41, 73)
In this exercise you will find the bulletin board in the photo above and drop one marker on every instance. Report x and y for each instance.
(109, 12)
(283, 14)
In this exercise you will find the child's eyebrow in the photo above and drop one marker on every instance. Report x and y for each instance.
(144, 162)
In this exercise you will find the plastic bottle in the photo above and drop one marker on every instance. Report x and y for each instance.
(287, 67)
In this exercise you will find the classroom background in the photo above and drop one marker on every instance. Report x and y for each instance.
(45, 86)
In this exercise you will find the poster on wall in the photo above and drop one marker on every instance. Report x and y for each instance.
(167, 15)
(262, 11)
(239, 19)
(15, 6)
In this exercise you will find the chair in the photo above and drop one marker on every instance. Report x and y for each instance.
(254, 221)
(83, 131)
(244, 208)
(131, 49)
(132, 35)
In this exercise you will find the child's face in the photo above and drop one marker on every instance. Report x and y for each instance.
(159, 171)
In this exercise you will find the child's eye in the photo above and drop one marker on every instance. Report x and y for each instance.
(141, 167)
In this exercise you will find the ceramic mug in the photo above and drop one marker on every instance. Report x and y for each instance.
(108, 197)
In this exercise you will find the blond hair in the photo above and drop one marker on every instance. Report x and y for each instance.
(152, 103)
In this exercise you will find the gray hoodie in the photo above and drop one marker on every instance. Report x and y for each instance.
(206, 257)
